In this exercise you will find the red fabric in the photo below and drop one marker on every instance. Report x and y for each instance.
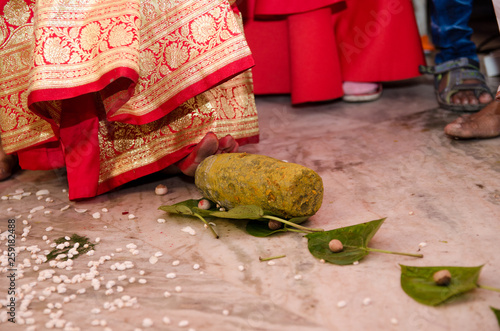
(67, 93)
(313, 66)
(287, 7)
(49, 157)
(269, 44)
(308, 55)
(112, 105)
(78, 135)
(211, 80)
(79, 151)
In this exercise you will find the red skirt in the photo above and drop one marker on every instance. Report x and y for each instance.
(308, 48)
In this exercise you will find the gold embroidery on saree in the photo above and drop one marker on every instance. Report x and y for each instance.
(226, 109)
(169, 43)
(199, 35)
(16, 12)
(190, 52)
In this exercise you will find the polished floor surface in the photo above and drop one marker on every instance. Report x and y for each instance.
(388, 158)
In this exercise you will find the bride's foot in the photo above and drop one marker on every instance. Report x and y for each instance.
(208, 146)
(228, 145)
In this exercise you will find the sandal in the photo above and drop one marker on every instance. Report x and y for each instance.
(361, 92)
(458, 71)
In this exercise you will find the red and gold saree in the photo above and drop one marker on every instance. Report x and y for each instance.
(118, 89)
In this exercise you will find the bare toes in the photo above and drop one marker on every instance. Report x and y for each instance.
(473, 100)
(463, 98)
(228, 145)
(456, 98)
(485, 98)
(484, 124)
(206, 147)
(453, 129)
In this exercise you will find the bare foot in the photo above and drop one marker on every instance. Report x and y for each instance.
(228, 145)
(8, 163)
(208, 146)
(483, 124)
(466, 97)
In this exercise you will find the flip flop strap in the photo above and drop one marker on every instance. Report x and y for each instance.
(462, 62)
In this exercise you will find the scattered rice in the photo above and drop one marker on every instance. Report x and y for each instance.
(189, 230)
(341, 304)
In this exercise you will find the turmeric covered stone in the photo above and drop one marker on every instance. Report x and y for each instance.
(285, 189)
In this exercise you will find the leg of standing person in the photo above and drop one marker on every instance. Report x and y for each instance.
(485, 123)
(382, 32)
(459, 84)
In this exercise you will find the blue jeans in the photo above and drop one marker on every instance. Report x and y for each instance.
(450, 30)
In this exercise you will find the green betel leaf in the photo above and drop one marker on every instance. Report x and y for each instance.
(296, 220)
(183, 207)
(190, 208)
(204, 212)
(299, 220)
(355, 239)
(497, 314)
(84, 243)
(418, 283)
(261, 229)
(250, 212)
